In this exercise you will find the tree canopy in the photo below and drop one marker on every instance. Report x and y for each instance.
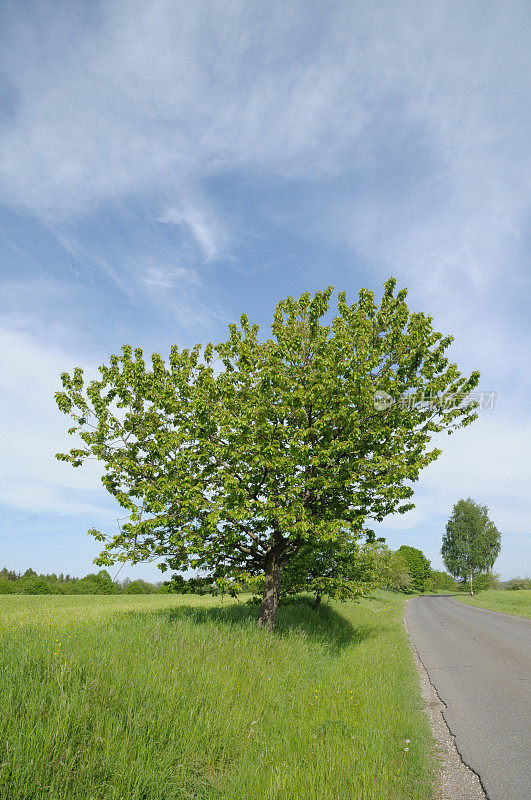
(230, 458)
(343, 569)
(471, 543)
(441, 580)
(418, 567)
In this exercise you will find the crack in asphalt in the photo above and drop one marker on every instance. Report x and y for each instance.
(457, 780)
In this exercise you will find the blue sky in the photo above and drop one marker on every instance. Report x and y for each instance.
(165, 166)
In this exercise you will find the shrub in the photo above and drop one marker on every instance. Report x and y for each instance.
(442, 581)
(6, 586)
(395, 573)
(484, 581)
(519, 583)
(481, 582)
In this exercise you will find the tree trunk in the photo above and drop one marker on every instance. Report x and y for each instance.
(271, 596)
(316, 602)
(471, 585)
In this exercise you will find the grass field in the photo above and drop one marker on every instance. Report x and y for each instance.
(517, 601)
(174, 697)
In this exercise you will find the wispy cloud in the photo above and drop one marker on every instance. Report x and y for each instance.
(32, 431)
(156, 277)
(161, 98)
(487, 461)
(205, 229)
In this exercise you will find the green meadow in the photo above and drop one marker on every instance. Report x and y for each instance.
(509, 601)
(168, 697)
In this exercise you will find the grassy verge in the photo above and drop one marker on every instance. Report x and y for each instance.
(516, 601)
(176, 697)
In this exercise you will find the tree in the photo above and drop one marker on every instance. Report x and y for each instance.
(418, 567)
(229, 458)
(9, 574)
(516, 583)
(441, 580)
(341, 570)
(31, 583)
(471, 543)
(95, 583)
(139, 587)
(395, 574)
(198, 585)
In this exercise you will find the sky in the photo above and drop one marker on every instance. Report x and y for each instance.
(166, 166)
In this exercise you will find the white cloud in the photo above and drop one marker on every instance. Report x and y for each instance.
(487, 461)
(158, 278)
(205, 229)
(40, 498)
(166, 96)
(32, 430)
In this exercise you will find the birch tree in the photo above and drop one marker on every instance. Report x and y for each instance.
(471, 543)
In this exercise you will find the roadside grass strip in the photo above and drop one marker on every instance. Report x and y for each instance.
(168, 697)
(509, 601)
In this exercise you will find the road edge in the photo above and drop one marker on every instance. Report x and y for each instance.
(455, 779)
(490, 610)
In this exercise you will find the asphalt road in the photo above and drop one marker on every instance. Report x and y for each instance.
(479, 662)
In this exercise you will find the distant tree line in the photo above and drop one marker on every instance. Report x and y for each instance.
(518, 583)
(30, 582)
(373, 566)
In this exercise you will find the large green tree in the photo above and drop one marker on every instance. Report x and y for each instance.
(232, 457)
(418, 567)
(471, 542)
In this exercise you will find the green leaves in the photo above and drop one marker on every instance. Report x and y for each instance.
(471, 542)
(219, 454)
(417, 565)
(340, 568)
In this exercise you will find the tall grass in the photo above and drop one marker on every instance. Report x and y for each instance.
(510, 601)
(176, 697)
